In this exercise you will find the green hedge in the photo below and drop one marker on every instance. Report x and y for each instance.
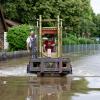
(71, 39)
(17, 36)
(86, 41)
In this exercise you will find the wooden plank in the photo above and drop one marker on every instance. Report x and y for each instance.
(49, 31)
(49, 27)
(60, 66)
(42, 67)
(47, 59)
(48, 20)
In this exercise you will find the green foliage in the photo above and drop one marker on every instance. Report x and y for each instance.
(17, 36)
(72, 39)
(86, 41)
(77, 15)
(11, 11)
(97, 28)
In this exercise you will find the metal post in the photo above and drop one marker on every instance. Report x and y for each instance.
(37, 23)
(58, 51)
(37, 31)
(61, 39)
(40, 36)
(60, 65)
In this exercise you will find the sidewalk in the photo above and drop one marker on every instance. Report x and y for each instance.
(14, 54)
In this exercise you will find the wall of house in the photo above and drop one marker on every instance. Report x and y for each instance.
(1, 41)
(1, 34)
(6, 44)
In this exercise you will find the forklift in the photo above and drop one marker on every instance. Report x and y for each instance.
(49, 58)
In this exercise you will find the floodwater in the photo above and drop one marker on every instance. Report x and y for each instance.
(14, 67)
(68, 88)
(83, 84)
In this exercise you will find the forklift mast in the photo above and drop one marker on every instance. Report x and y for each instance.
(55, 30)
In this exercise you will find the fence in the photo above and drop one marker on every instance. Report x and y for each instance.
(80, 48)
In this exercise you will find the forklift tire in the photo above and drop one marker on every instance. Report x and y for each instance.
(71, 70)
(62, 74)
(42, 74)
(28, 69)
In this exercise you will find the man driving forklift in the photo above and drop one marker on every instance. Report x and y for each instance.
(32, 44)
(49, 43)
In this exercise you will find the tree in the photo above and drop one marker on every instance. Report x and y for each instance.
(97, 22)
(73, 12)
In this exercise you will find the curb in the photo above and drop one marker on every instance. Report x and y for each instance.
(14, 54)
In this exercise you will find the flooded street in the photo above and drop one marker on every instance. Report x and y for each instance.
(87, 66)
(14, 67)
(83, 84)
(76, 88)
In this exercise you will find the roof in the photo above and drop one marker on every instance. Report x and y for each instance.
(4, 26)
(11, 23)
(5, 23)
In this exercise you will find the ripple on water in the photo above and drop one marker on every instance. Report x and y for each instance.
(93, 95)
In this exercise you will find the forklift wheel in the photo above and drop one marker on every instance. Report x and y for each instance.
(71, 70)
(42, 74)
(62, 74)
(28, 69)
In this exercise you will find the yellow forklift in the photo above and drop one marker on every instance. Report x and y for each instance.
(49, 50)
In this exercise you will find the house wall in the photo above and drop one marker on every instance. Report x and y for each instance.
(4, 24)
(6, 44)
(1, 34)
(1, 40)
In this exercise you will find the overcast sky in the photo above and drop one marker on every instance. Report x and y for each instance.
(96, 6)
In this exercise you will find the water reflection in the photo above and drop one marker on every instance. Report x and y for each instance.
(60, 88)
(49, 88)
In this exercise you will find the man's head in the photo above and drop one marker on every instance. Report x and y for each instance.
(32, 34)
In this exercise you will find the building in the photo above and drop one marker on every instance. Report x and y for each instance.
(3, 28)
(4, 24)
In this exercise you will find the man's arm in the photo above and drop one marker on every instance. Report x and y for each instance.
(28, 44)
(28, 47)
(36, 42)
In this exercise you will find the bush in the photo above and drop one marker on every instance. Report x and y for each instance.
(71, 39)
(17, 36)
(68, 41)
(86, 41)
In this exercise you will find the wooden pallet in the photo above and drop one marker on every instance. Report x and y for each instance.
(50, 66)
